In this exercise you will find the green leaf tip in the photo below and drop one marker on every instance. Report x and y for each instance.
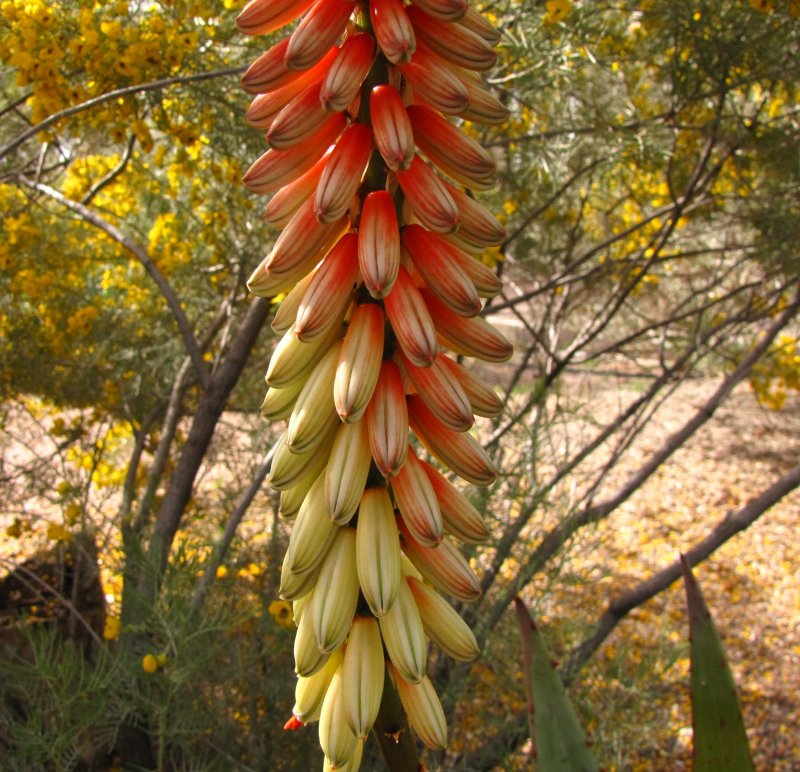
(720, 740)
(558, 739)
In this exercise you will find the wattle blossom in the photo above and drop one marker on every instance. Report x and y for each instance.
(360, 106)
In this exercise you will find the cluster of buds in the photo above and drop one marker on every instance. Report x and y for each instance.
(377, 260)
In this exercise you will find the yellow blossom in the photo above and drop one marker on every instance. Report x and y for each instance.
(281, 612)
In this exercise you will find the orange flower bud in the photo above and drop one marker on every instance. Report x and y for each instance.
(330, 290)
(300, 119)
(446, 10)
(317, 32)
(483, 399)
(429, 198)
(473, 20)
(459, 451)
(417, 502)
(378, 243)
(393, 135)
(343, 172)
(441, 392)
(451, 150)
(410, 320)
(459, 517)
(259, 17)
(443, 566)
(431, 257)
(393, 30)
(387, 421)
(453, 42)
(347, 72)
(265, 107)
(434, 81)
(473, 337)
(277, 168)
(285, 203)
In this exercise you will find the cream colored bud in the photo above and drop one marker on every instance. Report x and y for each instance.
(313, 532)
(308, 659)
(442, 623)
(378, 551)
(336, 593)
(362, 675)
(404, 636)
(423, 709)
(295, 586)
(314, 412)
(335, 736)
(279, 403)
(293, 360)
(309, 692)
(347, 471)
(289, 469)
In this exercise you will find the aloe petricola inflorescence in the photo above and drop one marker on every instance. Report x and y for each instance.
(378, 265)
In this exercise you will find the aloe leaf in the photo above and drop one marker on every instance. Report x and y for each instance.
(558, 740)
(720, 740)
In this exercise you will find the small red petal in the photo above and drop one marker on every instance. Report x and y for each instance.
(293, 723)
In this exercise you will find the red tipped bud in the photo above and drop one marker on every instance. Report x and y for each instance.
(451, 150)
(277, 168)
(417, 502)
(378, 243)
(429, 198)
(410, 320)
(459, 451)
(443, 566)
(293, 723)
(433, 81)
(387, 421)
(441, 392)
(360, 362)
(441, 273)
(393, 135)
(330, 289)
(393, 30)
(347, 72)
(453, 42)
(259, 17)
(446, 10)
(343, 172)
(473, 337)
(317, 32)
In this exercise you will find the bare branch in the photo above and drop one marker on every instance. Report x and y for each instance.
(732, 524)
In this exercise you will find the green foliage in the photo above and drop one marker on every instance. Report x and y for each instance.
(720, 740)
(558, 740)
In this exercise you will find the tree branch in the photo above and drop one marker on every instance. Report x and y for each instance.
(732, 524)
